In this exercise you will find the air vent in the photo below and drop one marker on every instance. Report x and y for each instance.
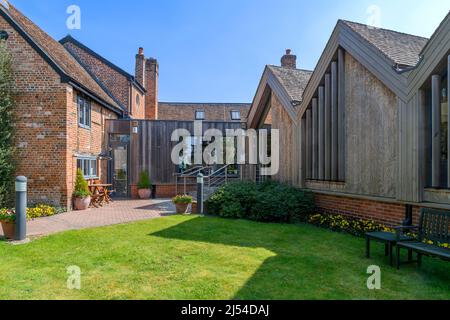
(4, 35)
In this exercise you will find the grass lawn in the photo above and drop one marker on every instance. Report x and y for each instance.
(209, 258)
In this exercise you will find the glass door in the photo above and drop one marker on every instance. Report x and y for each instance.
(120, 146)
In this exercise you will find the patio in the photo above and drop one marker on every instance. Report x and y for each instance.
(117, 212)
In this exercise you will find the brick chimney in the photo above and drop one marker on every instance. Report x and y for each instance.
(289, 60)
(151, 85)
(140, 67)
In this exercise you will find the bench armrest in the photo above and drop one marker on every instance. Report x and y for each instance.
(401, 229)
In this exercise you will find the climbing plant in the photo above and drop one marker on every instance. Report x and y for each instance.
(7, 167)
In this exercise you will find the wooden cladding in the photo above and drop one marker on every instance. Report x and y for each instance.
(325, 125)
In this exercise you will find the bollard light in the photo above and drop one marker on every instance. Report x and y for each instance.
(200, 181)
(21, 209)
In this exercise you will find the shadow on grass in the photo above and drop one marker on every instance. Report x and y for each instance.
(309, 262)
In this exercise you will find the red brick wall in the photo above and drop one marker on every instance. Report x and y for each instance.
(87, 142)
(117, 83)
(151, 85)
(213, 111)
(40, 109)
(47, 135)
(390, 214)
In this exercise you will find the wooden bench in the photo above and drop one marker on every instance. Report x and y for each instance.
(433, 226)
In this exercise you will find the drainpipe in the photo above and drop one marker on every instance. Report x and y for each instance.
(408, 215)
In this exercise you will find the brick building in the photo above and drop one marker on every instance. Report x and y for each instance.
(65, 93)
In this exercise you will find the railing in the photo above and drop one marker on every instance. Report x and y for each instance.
(212, 179)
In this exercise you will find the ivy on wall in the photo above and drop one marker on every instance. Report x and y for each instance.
(7, 167)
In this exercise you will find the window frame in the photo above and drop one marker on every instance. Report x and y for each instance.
(197, 112)
(84, 108)
(232, 112)
(92, 167)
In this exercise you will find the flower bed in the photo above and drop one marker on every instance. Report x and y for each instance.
(38, 211)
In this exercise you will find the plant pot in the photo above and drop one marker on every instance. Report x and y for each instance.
(181, 208)
(144, 193)
(82, 203)
(9, 229)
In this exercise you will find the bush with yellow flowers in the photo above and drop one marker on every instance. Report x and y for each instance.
(35, 212)
(336, 222)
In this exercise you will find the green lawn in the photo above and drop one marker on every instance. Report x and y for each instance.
(208, 258)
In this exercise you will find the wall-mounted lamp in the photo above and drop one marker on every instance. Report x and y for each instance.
(135, 127)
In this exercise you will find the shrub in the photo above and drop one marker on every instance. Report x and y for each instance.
(144, 180)
(38, 211)
(268, 202)
(7, 167)
(357, 227)
(81, 189)
(182, 199)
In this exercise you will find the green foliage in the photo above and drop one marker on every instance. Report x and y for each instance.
(7, 167)
(81, 189)
(144, 180)
(339, 223)
(268, 202)
(38, 211)
(182, 199)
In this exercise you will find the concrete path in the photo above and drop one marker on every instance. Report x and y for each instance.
(118, 212)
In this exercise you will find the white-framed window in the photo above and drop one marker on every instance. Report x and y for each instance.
(199, 115)
(84, 113)
(235, 115)
(89, 166)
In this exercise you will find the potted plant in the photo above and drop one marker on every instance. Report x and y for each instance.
(81, 193)
(8, 221)
(144, 185)
(182, 203)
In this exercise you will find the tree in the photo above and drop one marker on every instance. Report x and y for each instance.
(7, 167)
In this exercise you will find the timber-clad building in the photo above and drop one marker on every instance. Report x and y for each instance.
(367, 130)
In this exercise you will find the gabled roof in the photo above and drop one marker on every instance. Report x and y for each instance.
(293, 80)
(401, 48)
(288, 84)
(58, 57)
(72, 40)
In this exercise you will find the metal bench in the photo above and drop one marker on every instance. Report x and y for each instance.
(433, 226)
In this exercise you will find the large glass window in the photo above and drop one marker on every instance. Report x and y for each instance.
(84, 112)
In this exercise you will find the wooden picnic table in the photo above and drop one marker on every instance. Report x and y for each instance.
(101, 194)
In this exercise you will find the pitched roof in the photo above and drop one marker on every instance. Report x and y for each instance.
(294, 81)
(401, 48)
(57, 56)
(75, 42)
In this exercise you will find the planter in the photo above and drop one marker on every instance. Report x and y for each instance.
(9, 229)
(82, 203)
(144, 193)
(182, 208)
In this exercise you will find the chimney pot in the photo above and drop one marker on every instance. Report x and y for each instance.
(141, 51)
(289, 60)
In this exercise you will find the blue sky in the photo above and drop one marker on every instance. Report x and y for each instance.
(216, 50)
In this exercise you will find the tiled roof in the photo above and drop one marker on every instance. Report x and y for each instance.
(59, 55)
(403, 49)
(293, 80)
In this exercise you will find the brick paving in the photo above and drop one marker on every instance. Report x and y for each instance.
(118, 212)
